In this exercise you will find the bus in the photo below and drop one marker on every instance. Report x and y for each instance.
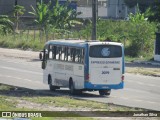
(82, 65)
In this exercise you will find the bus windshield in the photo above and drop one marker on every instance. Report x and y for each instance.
(105, 51)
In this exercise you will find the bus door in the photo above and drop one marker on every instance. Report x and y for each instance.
(105, 64)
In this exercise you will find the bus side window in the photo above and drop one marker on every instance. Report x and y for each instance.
(73, 52)
(63, 53)
(77, 55)
(60, 53)
(66, 54)
(50, 55)
(69, 54)
(57, 53)
(82, 56)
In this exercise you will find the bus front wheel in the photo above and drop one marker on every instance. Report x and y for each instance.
(52, 87)
(72, 89)
(104, 92)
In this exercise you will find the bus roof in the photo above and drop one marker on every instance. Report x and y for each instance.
(81, 42)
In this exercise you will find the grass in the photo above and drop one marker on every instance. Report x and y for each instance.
(144, 71)
(67, 101)
(10, 99)
(23, 42)
(132, 59)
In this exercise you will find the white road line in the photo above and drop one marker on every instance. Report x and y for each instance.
(21, 70)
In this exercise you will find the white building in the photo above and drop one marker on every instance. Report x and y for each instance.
(118, 9)
(106, 8)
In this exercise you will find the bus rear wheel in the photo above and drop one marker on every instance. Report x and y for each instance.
(104, 92)
(73, 91)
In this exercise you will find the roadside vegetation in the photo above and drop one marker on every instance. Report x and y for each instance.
(15, 98)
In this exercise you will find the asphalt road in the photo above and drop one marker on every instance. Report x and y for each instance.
(140, 91)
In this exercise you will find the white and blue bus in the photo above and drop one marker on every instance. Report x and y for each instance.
(83, 65)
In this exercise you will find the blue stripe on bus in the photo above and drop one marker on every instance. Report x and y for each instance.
(86, 70)
(89, 85)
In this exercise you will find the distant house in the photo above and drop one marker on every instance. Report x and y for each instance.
(118, 9)
(85, 7)
(106, 8)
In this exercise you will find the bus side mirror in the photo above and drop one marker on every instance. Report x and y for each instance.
(43, 65)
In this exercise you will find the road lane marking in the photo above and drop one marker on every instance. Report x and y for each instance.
(21, 70)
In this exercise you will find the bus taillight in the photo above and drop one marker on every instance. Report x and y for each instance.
(122, 77)
(87, 77)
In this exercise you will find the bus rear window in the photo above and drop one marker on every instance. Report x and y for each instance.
(105, 51)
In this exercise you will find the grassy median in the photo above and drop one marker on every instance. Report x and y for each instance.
(19, 99)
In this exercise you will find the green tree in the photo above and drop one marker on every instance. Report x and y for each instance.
(42, 15)
(18, 11)
(63, 17)
(6, 25)
(57, 18)
(137, 17)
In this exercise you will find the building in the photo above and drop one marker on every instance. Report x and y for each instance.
(85, 7)
(106, 8)
(115, 9)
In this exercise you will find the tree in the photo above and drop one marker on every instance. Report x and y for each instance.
(6, 25)
(63, 17)
(18, 11)
(155, 11)
(42, 15)
(54, 18)
(138, 16)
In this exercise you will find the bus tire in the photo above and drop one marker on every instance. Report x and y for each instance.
(71, 87)
(52, 87)
(104, 92)
(73, 91)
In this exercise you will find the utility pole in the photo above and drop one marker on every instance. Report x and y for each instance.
(94, 18)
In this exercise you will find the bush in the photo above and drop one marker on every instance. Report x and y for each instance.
(138, 38)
